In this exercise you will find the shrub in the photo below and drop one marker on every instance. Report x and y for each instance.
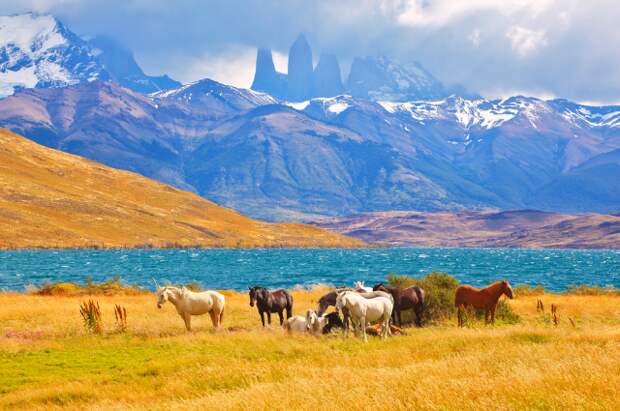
(91, 314)
(439, 289)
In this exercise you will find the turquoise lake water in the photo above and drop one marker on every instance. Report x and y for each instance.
(238, 269)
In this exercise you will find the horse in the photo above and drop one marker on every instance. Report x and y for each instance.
(365, 310)
(482, 299)
(271, 302)
(190, 303)
(333, 321)
(410, 298)
(315, 323)
(361, 288)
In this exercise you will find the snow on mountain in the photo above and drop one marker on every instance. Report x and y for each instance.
(486, 114)
(331, 106)
(38, 51)
(589, 116)
(382, 79)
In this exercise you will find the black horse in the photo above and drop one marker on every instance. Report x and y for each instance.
(271, 302)
(410, 298)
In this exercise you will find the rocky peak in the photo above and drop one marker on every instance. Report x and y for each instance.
(300, 70)
(327, 80)
(266, 78)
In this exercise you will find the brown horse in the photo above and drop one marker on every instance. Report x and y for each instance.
(410, 298)
(481, 299)
(271, 302)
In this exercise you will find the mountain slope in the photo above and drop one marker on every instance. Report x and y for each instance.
(52, 199)
(521, 228)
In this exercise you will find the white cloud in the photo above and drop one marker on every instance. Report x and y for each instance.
(442, 12)
(474, 37)
(526, 41)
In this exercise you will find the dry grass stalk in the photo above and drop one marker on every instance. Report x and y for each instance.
(91, 314)
(120, 314)
(554, 314)
(540, 307)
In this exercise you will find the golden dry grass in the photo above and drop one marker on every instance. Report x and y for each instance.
(49, 362)
(51, 199)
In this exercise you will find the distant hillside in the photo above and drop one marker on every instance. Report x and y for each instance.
(53, 199)
(522, 228)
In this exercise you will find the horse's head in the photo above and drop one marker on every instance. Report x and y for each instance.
(311, 319)
(163, 293)
(508, 290)
(341, 300)
(379, 287)
(253, 294)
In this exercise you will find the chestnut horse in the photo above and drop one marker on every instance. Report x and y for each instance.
(271, 302)
(481, 299)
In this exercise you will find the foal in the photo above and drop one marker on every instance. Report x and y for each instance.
(482, 299)
(271, 302)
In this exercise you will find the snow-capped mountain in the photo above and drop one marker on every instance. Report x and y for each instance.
(380, 78)
(38, 51)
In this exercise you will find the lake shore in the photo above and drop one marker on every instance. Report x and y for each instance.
(49, 361)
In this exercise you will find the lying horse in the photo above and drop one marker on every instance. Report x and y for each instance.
(410, 298)
(271, 302)
(190, 303)
(481, 299)
(333, 321)
(365, 310)
(299, 324)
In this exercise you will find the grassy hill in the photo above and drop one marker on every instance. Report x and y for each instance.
(52, 199)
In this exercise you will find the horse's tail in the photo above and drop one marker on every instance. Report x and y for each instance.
(289, 305)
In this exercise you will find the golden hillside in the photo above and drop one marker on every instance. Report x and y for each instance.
(53, 199)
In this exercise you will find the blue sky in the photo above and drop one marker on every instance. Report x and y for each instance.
(547, 48)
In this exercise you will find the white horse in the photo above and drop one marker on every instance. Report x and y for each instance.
(190, 303)
(360, 287)
(314, 323)
(363, 311)
(311, 323)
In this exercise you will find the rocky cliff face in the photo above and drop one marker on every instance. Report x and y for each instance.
(300, 71)
(266, 78)
(327, 79)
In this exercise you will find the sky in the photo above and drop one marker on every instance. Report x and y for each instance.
(497, 48)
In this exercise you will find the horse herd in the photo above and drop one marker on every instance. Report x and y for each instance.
(359, 306)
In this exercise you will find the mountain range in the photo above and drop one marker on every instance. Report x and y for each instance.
(490, 228)
(384, 146)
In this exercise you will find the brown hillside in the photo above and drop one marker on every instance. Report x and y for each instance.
(53, 199)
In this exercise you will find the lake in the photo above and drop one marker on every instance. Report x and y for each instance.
(238, 269)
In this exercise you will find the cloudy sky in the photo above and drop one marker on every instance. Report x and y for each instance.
(548, 48)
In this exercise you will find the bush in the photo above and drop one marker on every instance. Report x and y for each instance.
(113, 286)
(439, 289)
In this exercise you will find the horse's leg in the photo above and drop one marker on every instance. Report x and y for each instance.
(281, 315)
(363, 324)
(486, 315)
(269, 317)
(188, 321)
(460, 314)
(418, 316)
(493, 314)
(262, 317)
(400, 317)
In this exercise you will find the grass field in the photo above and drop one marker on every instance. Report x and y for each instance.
(48, 361)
